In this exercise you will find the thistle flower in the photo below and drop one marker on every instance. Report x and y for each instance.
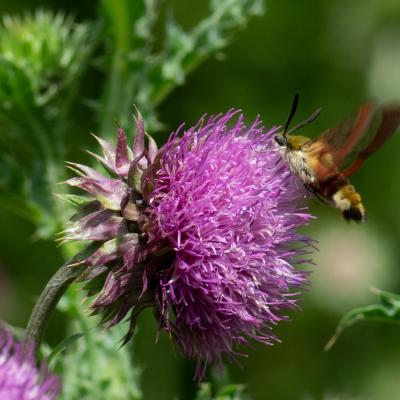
(19, 377)
(202, 230)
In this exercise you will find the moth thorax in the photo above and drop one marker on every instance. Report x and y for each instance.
(298, 164)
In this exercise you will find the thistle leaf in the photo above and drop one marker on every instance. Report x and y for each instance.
(185, 51)
(140, 76)
(100, 371)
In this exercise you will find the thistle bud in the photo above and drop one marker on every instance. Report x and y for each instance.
(41, 56)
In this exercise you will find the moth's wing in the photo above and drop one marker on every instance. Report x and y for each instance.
(319, 156)
(338, 147)
(364, 126)
(388, 125)
(340, 134)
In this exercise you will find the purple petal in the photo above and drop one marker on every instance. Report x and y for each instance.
(20, 378)
(230, 210)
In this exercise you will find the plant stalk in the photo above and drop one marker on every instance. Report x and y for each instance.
(50, 296)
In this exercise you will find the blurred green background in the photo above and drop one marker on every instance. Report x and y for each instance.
(336, 54)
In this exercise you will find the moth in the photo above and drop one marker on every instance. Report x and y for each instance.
(324, 164)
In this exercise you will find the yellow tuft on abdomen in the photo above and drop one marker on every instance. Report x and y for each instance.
(348, 201)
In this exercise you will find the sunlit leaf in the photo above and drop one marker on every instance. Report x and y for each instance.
(387, 310)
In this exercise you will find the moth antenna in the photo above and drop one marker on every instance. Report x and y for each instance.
(307, 121)
(295, 103)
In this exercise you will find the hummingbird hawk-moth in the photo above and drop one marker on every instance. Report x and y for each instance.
(324, 164)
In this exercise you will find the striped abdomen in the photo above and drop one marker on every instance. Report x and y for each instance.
(343, 196)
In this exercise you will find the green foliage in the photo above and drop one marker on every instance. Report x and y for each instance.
(42, 57)
(184, 51)
(95, 368)
(387, 310)
(93, 365)
(228, 392)
(144, 76)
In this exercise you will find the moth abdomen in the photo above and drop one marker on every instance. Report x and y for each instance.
(344, 197)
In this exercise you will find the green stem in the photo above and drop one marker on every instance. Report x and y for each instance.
(50, 296)
(119, 12)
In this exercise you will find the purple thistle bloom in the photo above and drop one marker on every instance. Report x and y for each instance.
(203, 230)
(19, 377)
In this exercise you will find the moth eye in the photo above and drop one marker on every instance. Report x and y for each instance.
(281, 140)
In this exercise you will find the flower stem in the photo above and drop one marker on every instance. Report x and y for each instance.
(50, 296)
(119, 18)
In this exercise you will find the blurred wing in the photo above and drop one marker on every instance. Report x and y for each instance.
(389, 123)
(337, 145)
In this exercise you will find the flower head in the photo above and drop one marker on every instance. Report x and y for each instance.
(19, 377)
(203, 230)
